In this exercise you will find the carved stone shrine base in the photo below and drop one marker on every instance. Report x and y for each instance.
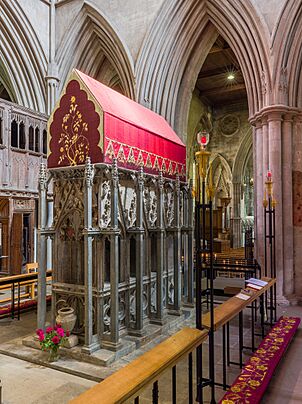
(127, 345)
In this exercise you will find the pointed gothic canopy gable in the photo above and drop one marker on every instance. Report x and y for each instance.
(93, 120)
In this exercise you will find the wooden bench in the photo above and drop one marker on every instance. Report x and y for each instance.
(259, 369)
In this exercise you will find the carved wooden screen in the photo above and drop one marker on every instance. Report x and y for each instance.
(16, 243)
(4, 236)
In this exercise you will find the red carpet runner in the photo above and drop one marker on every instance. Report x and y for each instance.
(7, 309)
(254, 378)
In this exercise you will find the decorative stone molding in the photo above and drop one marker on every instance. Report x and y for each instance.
(89, 172)
(229, 125)
(24, 204)
(43, 176)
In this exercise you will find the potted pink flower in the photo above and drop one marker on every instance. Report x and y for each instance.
(52, 339)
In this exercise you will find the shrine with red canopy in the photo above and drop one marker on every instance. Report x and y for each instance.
(122, 228)
(93, 120)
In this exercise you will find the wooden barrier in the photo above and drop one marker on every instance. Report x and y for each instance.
(233, 306)
(11, 282)
(128, 382)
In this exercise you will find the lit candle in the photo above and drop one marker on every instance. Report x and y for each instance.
(202, 138)
(269, 175)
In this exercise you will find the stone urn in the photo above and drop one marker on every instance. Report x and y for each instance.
(67, 318)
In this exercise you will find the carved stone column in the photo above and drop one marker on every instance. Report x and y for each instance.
(236, 220)
(114, 343)
(7, 157)
(297, 205)
(89, 345)
(265, 146)
(52, 79)
(190, 299)
(49, 240)
(287, 206)
(275, 165)
(140, 257)
(259, 190)
(177, 250)
(42, 248)
(160, 259)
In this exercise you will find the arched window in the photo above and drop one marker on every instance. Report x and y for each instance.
(21, 135)
(44, 141)
(14, 134)
(37, 139)
(31, 138)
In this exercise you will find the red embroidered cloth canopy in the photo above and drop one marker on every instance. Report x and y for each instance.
(93, 120)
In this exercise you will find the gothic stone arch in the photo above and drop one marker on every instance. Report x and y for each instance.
(178, 43)
(23, 60)
(94, 46)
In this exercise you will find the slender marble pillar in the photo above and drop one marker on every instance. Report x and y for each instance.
(259, 188)
(297, 218)
(160, 251)
(52, 80)
(265, 146)
(140, 258)
(89, 345)
(42, 248)
(236, 220)
(275, 165)
(287, 193)
(114, 261)
(190, 299)
(177, 249)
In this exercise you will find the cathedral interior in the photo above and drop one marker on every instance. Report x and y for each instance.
(150, 201)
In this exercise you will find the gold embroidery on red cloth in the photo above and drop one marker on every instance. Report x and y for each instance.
(156, 165)
(254, 373)
(143, 158)
(170, 169)
(110, 151)
(131, 158)
(121, 155)
(148, 161)
(140, 159)
(74, 144)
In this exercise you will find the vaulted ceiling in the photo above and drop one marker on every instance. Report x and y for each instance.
(214, 86)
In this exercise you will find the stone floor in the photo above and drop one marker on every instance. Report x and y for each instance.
(33, 383)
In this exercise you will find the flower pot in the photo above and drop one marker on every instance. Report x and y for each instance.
(53, 355)
(66, 318)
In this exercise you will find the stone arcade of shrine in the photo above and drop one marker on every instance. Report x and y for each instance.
(122, 231)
